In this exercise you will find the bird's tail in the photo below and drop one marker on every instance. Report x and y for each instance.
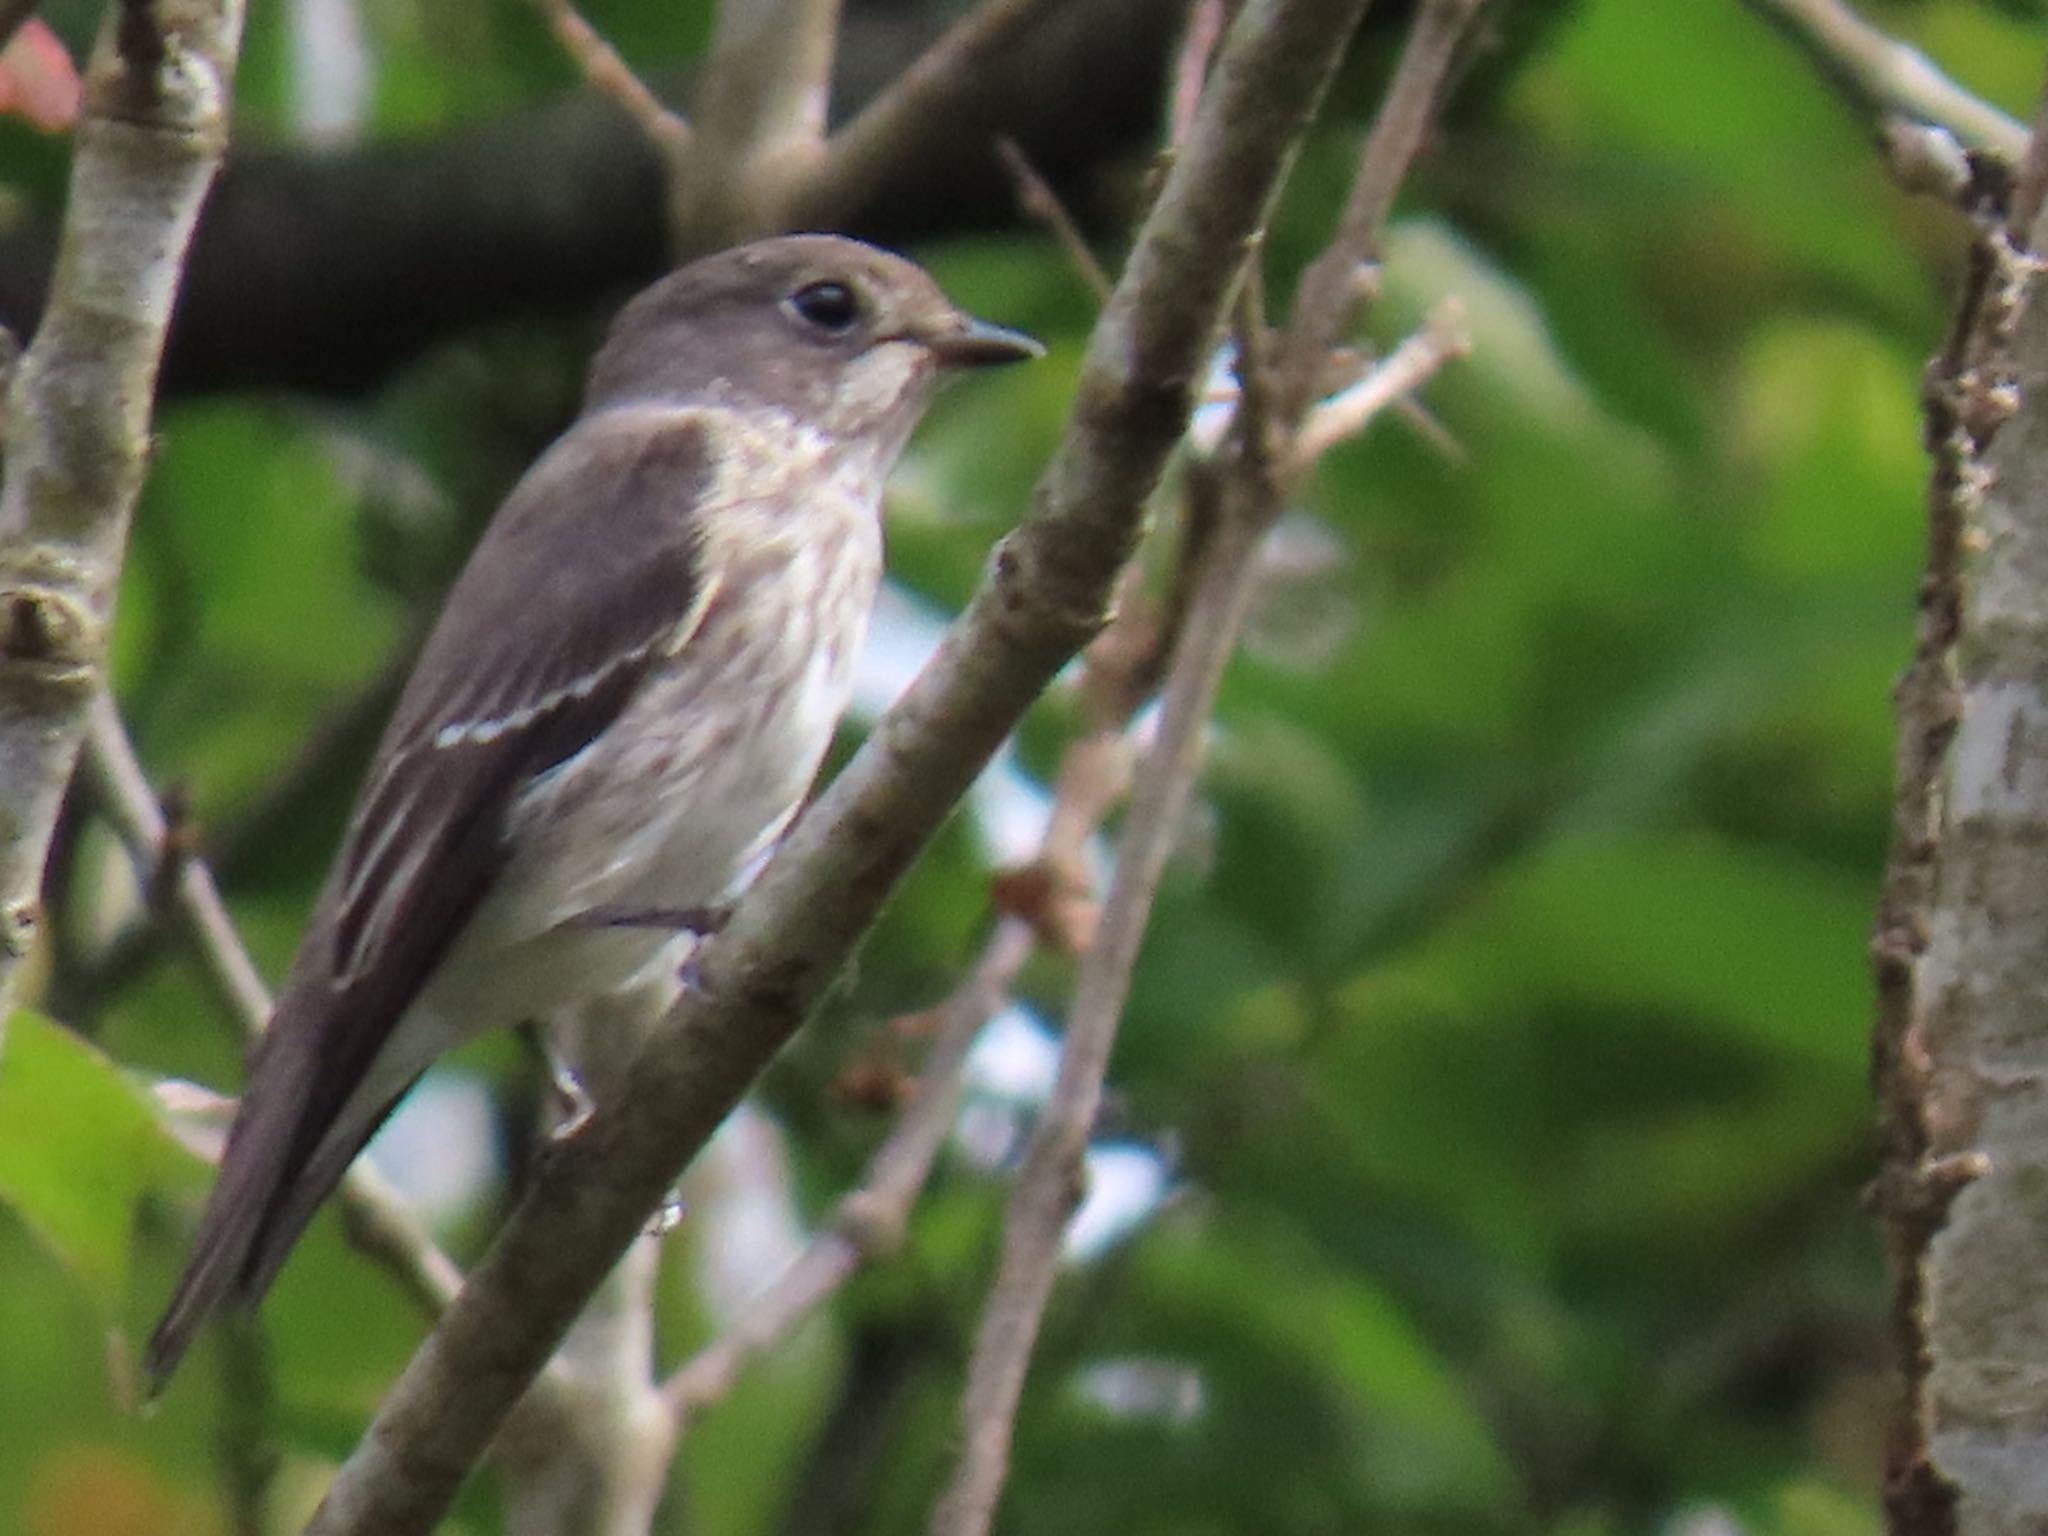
(243, 1236)
(218, 1255)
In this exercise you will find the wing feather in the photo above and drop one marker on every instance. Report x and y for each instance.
(587, 575)
(590, 572)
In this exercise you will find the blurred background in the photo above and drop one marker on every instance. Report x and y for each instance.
(1487, 1129)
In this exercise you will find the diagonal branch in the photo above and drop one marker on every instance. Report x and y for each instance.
(1881, 77)
(1038, 201)
(939, 88)
(1051, 1176)
(1245, 487)
(1330, 292)
(760, 111)
(609, 75)
(1387, 383)
(1045, 595)
(869, 1221)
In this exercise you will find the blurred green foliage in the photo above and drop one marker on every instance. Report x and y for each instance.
(1504, 1024)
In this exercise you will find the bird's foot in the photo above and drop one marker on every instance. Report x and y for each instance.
(668, 1215)
(690, 975)
(701, 921)
(576, 1104)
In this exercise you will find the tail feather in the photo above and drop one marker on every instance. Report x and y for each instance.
(266, 1151)
(218, 1255)
(297, 1202)
(278, 1168)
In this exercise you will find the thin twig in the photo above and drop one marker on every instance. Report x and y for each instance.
(1347, 413)
(246, 1450)
(1049, 1185)
(1206, 23)
(1043, 598)
(1329, 295)
(124, 797)
(1244, 491)
(1037, 199)
(869, 1221)
(1880, 76)
(768, 76)
(952, 71)
(378, 1222)
(610, 75)
(1051, 1181)
(760, 111)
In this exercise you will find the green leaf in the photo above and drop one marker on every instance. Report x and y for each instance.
(79, 1145)
(1763, 947)
(1240, 1289)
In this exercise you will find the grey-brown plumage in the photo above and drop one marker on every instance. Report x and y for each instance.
(624, 700)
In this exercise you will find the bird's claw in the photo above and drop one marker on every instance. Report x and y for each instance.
(576, 1105)
(700, 921)
(690, 975)
(668, 1215)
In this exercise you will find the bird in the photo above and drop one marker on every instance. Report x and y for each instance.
(624, 700)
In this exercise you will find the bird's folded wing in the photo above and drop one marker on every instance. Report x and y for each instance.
(586, 578)
(589, 575)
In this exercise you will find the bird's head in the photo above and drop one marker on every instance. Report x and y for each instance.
(844, 337)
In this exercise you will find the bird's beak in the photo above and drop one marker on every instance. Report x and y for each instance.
(961, 341)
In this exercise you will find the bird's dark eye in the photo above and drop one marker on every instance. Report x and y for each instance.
(831, 307)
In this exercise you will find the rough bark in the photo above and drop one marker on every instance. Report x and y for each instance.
(1961, 1055)
(78, 413)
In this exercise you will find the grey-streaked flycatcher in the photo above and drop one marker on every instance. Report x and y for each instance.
(621, 706)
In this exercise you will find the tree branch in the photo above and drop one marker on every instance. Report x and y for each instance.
(761, 117)
(326, 271)
(869, 1221)
(1959, 950)
(609, 75)
(1051, 1182)
(1041, 204)
(1044, 597)
(1880, 76)
(1327, 300)
(767, 87)
(950, 83)
(1264, 455)
(1049, 1186)
(1350, 411)
(78, 411)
